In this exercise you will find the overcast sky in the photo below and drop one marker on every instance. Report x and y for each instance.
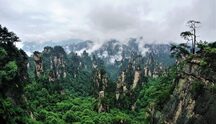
(99, 20)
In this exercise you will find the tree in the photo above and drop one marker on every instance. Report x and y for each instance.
(191, 35)
(7, 37)
(179, 51)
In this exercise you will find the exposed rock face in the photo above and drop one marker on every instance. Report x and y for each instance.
(52, 62)
(58, 67)
(158, 70)
(146, 71)
(153, 68)
(120, 85)
(101, 83)
(127, 85)
(137, 77)
(150, 64)
(57, 62)
(193, 100)
(38, 63)
(101, 105)
(181, 104)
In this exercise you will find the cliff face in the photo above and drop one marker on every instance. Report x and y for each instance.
(100, 80)
(128, 85)
(52, 61)
(137, 78)
(132, 77)
(38, 63)
(193, 100)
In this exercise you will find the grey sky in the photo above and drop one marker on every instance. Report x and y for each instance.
(99, 20)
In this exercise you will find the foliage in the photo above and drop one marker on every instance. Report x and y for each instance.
(79, 86)
(191, 35)
(11, 113)
(7, 37)
(179, 51)
(197, 88)
(156, 92)
(10, 70)
(12, 79)
(3, 52)
(57, 108)
(206, 55)
(70, 99)
(73, 99)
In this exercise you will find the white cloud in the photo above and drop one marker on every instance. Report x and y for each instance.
(38, 20)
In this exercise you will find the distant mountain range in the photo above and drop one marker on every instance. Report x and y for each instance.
(110, 51)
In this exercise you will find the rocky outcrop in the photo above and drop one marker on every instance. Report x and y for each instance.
(57, 63)
(52, 62)
(100, 80)
(58, 66)
(38, 63)
(137, 78)
(193, 100)
(181, 104)
(120, 86)
(129, 82)
(153, 68)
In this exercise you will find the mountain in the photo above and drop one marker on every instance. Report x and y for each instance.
(31, 46)
(109, 51)
(116, 55)
(110, 83)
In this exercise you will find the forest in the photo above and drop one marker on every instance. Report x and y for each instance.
(56, 87)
